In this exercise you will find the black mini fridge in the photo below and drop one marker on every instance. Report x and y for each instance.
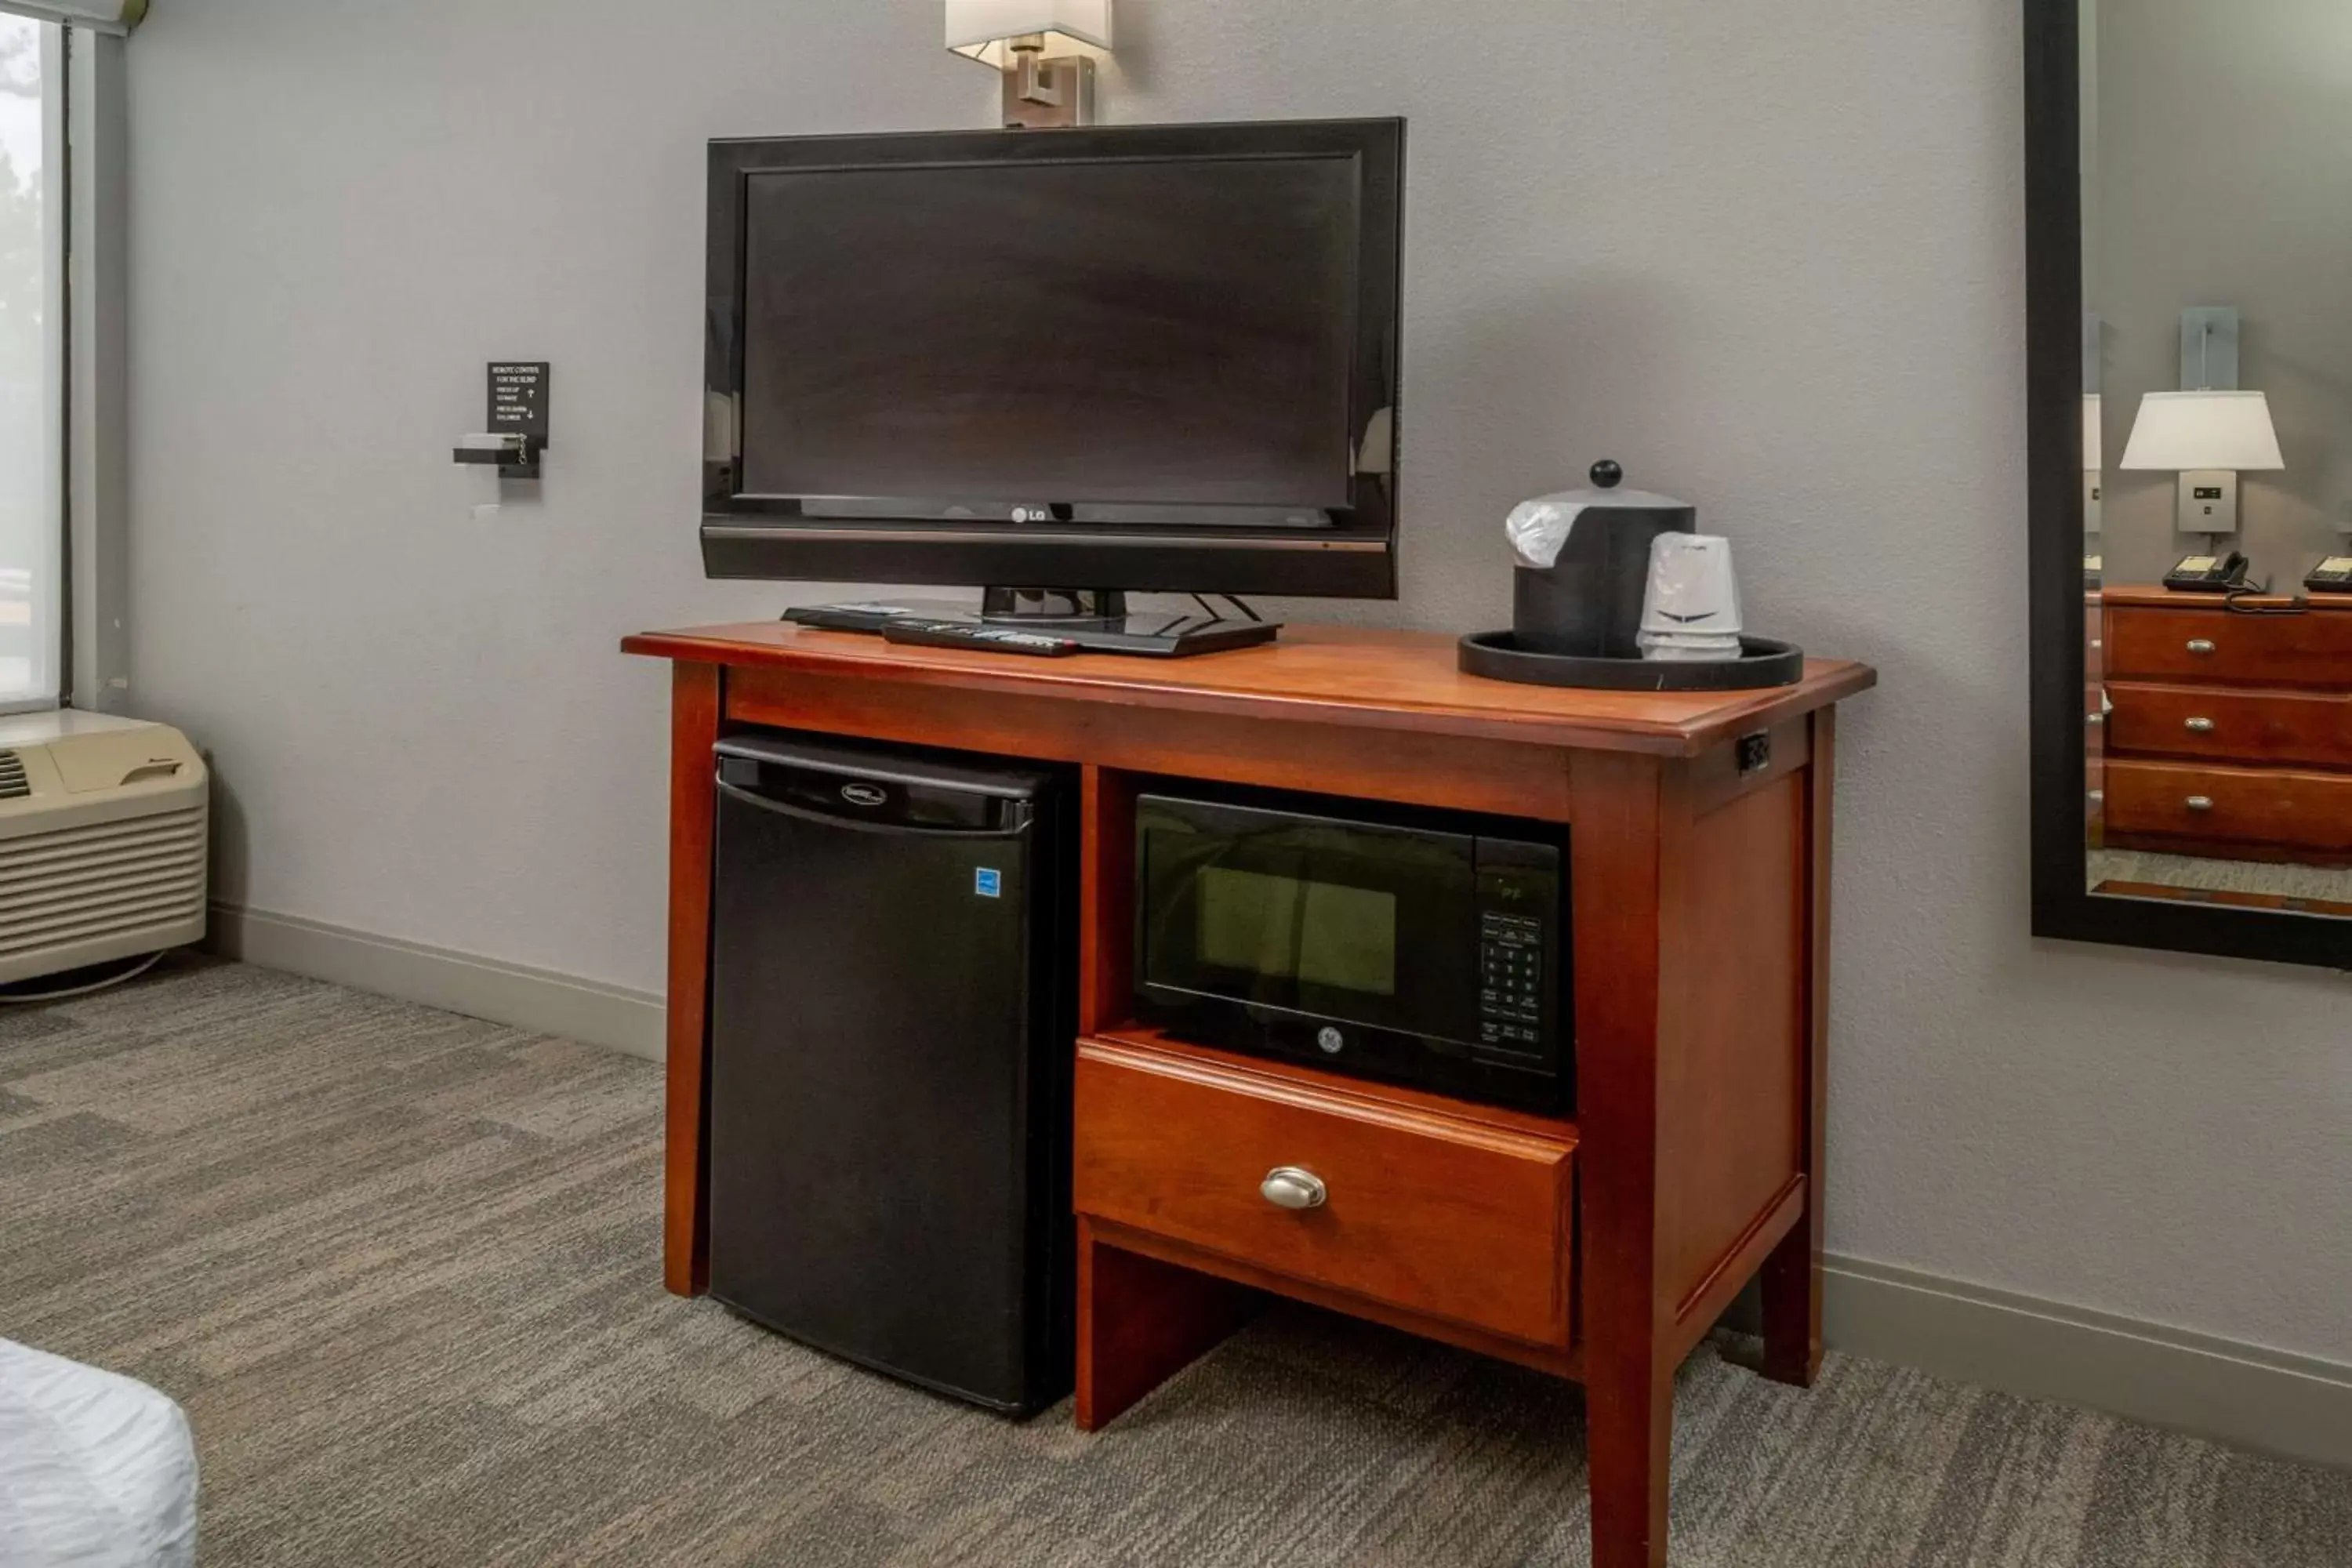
(892, 1027)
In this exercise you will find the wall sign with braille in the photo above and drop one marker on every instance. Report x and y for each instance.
(518, 421)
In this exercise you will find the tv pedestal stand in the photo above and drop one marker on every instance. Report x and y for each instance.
(1098, 619)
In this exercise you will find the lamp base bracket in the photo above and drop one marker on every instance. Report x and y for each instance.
(1042, 94)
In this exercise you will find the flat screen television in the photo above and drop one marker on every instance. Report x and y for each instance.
(1145, 358)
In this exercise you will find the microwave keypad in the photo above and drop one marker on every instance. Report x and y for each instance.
(1510, 981)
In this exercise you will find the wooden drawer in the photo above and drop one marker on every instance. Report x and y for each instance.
(2274, 807)
(2283, 728)
(1440, 1216)
(2204, 645)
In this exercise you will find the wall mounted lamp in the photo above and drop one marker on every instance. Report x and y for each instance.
(1046, 51)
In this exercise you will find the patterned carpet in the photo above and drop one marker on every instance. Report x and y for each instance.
(2324, 884)
(401, 1267)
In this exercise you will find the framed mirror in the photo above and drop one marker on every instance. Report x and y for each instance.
(2189, 207)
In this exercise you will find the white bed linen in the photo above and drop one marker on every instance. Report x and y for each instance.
(95, 1470)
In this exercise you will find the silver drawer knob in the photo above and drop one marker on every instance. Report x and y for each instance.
(2200, 726)
(2096, 719)
(1288, 1187)
(2201, 802)
(2200, 645)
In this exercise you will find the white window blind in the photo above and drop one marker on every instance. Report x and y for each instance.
(32, 360)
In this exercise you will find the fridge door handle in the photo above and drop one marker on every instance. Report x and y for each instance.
(866, 824)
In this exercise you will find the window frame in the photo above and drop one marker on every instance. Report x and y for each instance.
(97, 375)
(52, 599)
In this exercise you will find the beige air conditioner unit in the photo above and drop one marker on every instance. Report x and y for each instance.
(102, 837)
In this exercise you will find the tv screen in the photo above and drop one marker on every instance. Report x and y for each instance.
(1159, 357)
(1171, 332)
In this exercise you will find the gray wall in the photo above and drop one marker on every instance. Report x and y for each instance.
(1767, 256)
(2223, 181)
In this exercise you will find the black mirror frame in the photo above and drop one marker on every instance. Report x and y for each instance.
(2062, 905)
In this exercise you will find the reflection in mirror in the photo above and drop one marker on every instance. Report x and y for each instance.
(2217, 253)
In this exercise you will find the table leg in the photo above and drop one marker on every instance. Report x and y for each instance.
(1633, 826)
(1631, 1419)
(1792, 1275)
(686, 1222)
(1142, 1322)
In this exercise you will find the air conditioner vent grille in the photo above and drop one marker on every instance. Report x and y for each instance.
(91, 883)
(14, 785)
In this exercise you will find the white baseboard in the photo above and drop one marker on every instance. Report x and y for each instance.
(2234, 1393)
(535, 999)
(2293, 1406)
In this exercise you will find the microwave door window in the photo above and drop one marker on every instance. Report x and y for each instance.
(1377, 928)
(1296, 933)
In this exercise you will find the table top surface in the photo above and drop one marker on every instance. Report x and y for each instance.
(2155, 596)
(1334, 675)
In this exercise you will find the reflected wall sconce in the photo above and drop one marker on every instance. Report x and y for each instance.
(2094, 435)
(2212, 435)
(2210, 439)
(1046, 51)
(2094, 425)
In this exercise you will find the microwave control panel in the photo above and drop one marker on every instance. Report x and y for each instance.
(1510, 981)
(1520, 888)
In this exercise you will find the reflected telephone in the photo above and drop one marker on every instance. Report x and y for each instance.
(2208, 573)
(2333, 576)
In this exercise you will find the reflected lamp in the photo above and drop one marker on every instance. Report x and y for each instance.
(2209, 438)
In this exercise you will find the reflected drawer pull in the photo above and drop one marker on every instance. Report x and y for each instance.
(2201, 726)
(2200, 645)
(1288, 1187)
(2201, 802)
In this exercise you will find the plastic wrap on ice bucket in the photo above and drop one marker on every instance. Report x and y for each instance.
(1538, 528)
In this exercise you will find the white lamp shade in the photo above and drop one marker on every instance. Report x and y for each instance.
(2200, 431)
(980, 28)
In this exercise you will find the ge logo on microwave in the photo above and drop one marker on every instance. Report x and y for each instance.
(1331, 1041)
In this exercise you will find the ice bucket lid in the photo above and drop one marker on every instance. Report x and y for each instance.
(1603, 492)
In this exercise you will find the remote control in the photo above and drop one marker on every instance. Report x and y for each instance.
(963, 633)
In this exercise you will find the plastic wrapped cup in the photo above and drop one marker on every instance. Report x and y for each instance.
(1692, 611)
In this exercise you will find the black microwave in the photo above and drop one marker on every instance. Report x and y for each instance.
(1427, 949)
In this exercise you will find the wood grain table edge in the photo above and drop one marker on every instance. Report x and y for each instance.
(1109, 678)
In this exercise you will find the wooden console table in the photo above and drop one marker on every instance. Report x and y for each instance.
(1599, 1247)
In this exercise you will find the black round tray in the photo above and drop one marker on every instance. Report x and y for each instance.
(1498, 657)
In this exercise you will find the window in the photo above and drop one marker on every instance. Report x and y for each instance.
(32, 360)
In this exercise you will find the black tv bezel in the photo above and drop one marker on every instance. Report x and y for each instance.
(771, 538)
